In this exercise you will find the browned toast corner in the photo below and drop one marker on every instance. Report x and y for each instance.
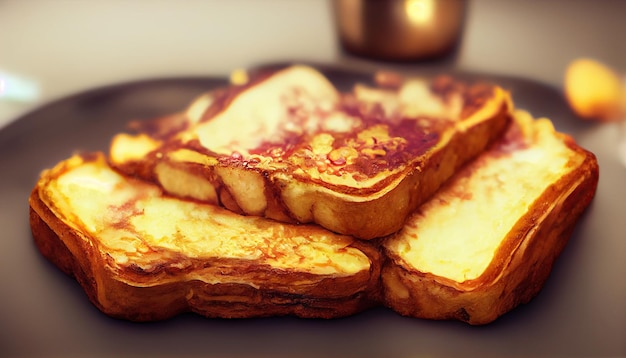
(141, 255)
(487, 241)
(289, 146)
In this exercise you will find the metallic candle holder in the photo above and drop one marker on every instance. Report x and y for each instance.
(399, 30)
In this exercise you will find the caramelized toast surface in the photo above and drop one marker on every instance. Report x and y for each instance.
(177, 217)
(483, 244)
(487, 240)
(290, 147)
(142, 255)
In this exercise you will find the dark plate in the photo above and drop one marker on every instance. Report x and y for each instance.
(581, 310)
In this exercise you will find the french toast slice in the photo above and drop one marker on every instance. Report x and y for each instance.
(487, 241)
(141, 255)
(289, 146)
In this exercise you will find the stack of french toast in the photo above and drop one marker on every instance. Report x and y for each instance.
(281, 195)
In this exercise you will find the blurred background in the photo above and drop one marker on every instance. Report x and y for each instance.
(52, 48)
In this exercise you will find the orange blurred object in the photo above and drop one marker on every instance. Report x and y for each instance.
(595, 91)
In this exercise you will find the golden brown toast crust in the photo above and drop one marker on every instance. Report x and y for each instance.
(127, 291)
(174, 282)
(362, 185)
(520, 267)
(517, 273)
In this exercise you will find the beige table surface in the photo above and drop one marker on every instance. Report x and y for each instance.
(68, 46)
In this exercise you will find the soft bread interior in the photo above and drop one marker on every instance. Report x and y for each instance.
(457, 233)
(129, 220)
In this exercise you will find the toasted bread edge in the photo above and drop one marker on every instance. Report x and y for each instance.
(517, 273)
(111, 291)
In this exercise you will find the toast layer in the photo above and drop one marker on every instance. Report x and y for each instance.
(141, 255)
(486, 242)
(290, 147)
